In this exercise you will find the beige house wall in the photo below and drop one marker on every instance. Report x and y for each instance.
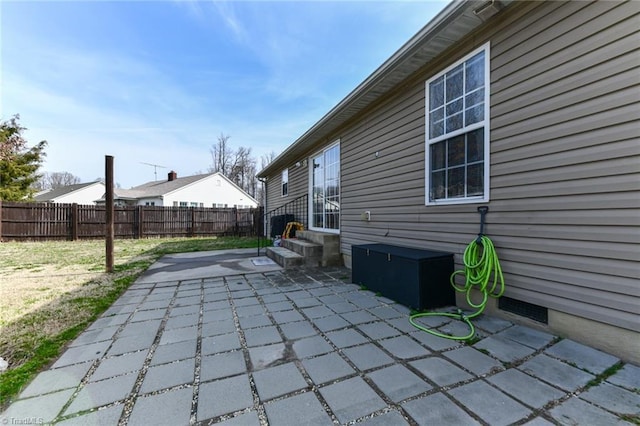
(565, 165)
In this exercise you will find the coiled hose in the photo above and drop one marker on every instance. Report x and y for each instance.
(480, 265)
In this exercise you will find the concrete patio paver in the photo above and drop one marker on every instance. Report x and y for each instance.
(473, 360)
(224, 396)
(432, 409)
(627, 377)
(172, 407)
(57, 379)
(608, 396)
(440, 371)
(303, 409)
(367, 356)
(351, 399)
(280, 380)
(584, 357)
(491, 405)
(327, 368)
(525, 388)
(578, 412)
(278, 347)
(398, 382)
(556, 372)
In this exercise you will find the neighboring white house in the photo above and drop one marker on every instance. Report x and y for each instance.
(81, 193)
(206, 190)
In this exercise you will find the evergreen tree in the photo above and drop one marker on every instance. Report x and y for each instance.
(18, 163)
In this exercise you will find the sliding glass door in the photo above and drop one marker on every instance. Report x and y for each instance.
(325, 190)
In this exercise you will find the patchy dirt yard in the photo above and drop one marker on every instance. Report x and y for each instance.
(48, 287)
(45, 287)
(50, 291)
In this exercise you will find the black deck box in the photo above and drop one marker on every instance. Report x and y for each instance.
(279, 223)
(415, 278)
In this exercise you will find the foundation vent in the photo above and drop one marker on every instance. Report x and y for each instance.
(529, 310)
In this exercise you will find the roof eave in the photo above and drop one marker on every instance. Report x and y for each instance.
(394, 70)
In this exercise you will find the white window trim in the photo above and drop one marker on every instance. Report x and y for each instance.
(310, 190)
(487, 131)
(282, 182)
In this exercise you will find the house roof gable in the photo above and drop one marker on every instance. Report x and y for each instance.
(64, 190)
(158, 189)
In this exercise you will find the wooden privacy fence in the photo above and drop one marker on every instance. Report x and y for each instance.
(44, 221)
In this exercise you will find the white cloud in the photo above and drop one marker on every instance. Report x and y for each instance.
(81, 134)
(262, 73)
(227, 12)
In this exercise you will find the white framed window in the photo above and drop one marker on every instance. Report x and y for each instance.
(285, 182)
(184, 204)
(457, 143)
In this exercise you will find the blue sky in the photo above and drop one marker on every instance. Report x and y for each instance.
(158, 81)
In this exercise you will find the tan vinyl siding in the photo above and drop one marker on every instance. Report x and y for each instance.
(274, 194)
(565, 160)
(298, 185)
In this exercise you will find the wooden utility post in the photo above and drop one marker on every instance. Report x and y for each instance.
(74, 222)
(108, 174)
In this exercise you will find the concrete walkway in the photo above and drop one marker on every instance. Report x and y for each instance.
(305, 347)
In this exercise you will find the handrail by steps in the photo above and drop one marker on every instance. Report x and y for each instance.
(298, 207)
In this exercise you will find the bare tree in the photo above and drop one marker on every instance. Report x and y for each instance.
(238, 165)
(54, 180)
(243, 171)
(265, 160)
(221, 155)
(252, 180)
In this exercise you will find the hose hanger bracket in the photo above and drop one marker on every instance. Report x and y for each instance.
(482, 277)
(483, 210)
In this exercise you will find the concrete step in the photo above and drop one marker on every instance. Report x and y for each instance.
(330, 246)
(303, 247)
(322, 238)
(284, 257)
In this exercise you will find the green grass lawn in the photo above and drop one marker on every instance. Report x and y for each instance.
(51, 291)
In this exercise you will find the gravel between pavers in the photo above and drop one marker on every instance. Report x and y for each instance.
(306, 346)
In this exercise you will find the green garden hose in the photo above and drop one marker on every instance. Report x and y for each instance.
(480, 265)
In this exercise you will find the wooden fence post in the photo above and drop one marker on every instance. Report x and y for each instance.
(193, 222)
(74, 222)
(237, 225)
(0, 220)
(140, 219)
